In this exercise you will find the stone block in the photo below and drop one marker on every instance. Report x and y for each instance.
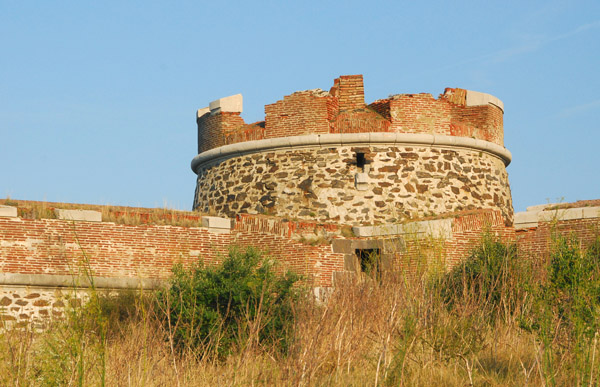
(438, 228)
(363, 231)
(591, 212)
(202, 112)
(342, 246)
(82, 215)
(361, 181)
(350, 262)
(560, 214)
(526, 217)
(214, 222)
(476, 98)
(232, 104)
(8, 211)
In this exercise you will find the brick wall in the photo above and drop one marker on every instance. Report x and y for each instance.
(303, 112)
(349, 91)
(432, 252)
(213, 129)
(537, 241)
(60, 247)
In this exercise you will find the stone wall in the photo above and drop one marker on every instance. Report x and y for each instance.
(25, 305)
(396, 183)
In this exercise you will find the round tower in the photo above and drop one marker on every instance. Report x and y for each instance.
(327, 156)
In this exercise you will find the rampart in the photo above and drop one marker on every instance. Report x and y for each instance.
(42, 258)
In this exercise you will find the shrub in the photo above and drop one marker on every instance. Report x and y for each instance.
(573, 289)
(492, 277)
(240, 303)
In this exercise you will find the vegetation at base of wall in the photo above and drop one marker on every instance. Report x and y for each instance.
(498, 319)
(242, 303)
(493, 277)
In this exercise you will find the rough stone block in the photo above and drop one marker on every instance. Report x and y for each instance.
(342, 246)
(8, 211)
(232, 104)
(84, 215)
(350, 262)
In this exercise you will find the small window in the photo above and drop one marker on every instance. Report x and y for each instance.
(360, 161)
(370, 262)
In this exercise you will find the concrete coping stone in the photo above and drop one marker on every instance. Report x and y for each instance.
(528, 219)
(233, 103)
(339, 139)
(202, 112)
(80, 215)
(8, 211)
(51, 280)
(214, 222)
(437, 228)
(476, 98)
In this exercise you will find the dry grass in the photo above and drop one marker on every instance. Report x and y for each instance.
(367, 333)
(397, 331)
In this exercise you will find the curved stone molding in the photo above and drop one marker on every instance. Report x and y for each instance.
(328, 140)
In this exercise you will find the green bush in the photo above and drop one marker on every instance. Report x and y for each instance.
(573, 289)
(492, 277)
(217, 310)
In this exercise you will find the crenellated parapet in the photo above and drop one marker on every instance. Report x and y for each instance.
(457, 112)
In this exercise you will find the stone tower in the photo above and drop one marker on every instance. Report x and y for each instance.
(327, 156)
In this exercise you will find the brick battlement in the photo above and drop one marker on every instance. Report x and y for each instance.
(457, 112)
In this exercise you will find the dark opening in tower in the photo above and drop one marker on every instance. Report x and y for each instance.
(360, 161)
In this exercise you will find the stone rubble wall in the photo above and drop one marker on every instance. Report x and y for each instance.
(320, 184)
(21, 306)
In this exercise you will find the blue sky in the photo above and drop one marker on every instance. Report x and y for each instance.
(98, 99)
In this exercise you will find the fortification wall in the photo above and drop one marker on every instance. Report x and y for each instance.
(395, 183)
(41, 258)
